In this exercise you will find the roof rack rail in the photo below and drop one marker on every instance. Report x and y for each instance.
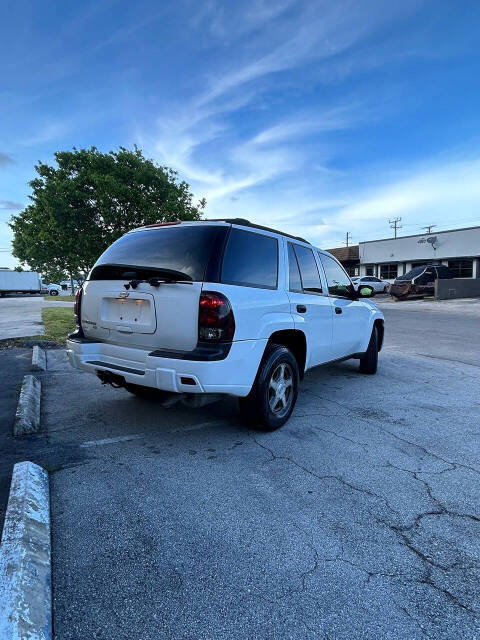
(247, 223)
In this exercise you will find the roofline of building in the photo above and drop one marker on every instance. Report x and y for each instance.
(416, 235)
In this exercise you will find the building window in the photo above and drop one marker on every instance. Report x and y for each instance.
(461, 268)
(388, 271)
(369, 270)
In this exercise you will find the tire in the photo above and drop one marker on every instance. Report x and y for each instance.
(268, 406)
(53, 292)
(369, 360)
(146, 393)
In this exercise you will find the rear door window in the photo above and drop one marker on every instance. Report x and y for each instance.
(250, 260)
(307, 266)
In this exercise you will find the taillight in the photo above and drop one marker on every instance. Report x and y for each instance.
(215, 318)
(77, 306)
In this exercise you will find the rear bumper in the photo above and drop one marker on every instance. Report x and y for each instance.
(233, 375)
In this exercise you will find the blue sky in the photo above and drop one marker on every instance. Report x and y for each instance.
(315, 117)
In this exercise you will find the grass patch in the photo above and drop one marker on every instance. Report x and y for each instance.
(59, 322)
(61, 298)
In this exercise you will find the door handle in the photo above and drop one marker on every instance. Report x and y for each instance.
(301, 308)
(338, 310)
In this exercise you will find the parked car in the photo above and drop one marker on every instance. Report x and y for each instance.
(419, 281)
(53, 289)
(220, 307)
(378, 285)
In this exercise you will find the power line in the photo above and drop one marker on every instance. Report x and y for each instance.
(394, 224)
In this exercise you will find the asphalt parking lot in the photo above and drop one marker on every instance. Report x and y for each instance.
(359, 519)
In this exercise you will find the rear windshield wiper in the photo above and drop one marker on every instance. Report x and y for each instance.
(168, 276)
(155, 282)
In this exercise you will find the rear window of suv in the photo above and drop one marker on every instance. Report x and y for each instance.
(250, 260)
(183, 249)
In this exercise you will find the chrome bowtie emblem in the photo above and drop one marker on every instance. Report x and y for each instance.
(124, 294)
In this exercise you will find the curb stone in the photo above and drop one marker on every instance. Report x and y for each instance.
(27, 417)
(39, 359)
(25, 557)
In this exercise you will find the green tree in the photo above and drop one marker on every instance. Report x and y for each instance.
(88, 201)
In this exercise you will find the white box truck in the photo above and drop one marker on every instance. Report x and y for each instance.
(19, 282)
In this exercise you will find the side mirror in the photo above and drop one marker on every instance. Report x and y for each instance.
(365, 292)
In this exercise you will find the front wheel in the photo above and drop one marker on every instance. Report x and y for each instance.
(272, 398)
(54, 292)
(369, 360)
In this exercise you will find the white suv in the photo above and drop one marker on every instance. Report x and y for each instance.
(220, 307)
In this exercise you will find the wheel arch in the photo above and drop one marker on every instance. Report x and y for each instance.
(295, 340)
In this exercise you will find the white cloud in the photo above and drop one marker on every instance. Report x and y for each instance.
(47, 133)
(438, 190)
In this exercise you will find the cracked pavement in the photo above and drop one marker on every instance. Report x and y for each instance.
(359, 519)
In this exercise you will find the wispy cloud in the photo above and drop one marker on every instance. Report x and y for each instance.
(448, 187)
(279, 165)
(297, 35)
(10, 205)
(5, 159)
(47, 133)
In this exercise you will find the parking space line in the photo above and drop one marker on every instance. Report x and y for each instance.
(100, 443)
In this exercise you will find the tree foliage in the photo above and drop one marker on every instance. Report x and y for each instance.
(89, 200)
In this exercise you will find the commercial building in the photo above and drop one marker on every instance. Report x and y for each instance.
(459, 249)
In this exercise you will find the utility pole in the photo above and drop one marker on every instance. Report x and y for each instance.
(394, 224)
(347, 238)
(429, 227)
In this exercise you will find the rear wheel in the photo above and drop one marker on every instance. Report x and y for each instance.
(274, 393)
(369, 360)
(54, 292)
(147, 393)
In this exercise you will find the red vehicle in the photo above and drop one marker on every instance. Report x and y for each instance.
(419, 281)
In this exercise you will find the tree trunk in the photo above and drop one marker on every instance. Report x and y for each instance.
(71, 285)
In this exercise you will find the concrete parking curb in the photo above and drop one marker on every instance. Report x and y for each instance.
(25, 557)
(27, 417)
(39, 359)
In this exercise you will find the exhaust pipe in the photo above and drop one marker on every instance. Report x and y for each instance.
(113, 379)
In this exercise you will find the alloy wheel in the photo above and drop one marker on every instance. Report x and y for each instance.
(280, 389)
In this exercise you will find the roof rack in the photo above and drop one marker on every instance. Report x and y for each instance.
(247, 223)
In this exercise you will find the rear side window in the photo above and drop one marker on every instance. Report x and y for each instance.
(295, 283)
(171, 250)
(250, 260)
(309, 276)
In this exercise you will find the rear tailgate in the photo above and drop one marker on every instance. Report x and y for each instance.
(153, 317)
(144, 290)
